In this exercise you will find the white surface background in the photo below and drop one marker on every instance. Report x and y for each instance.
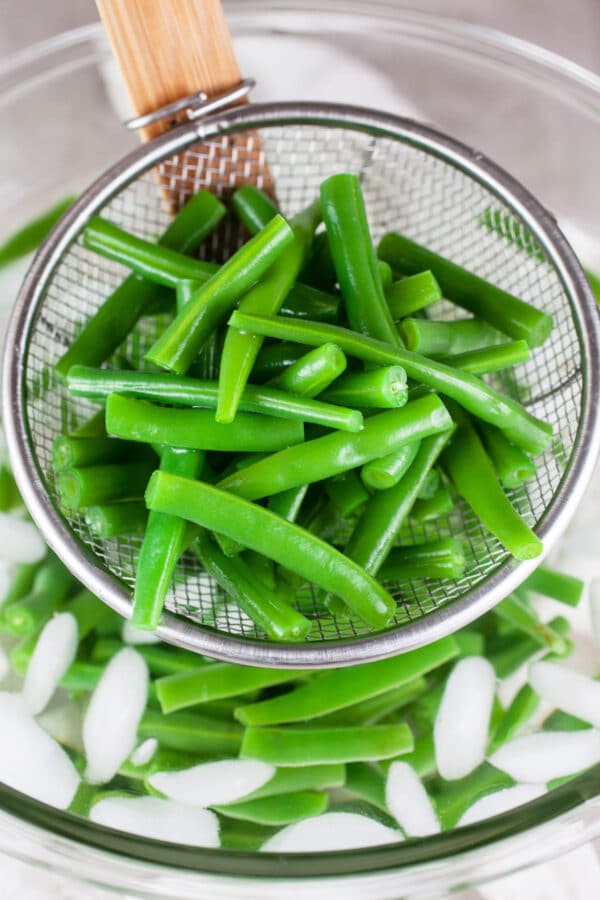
(572, 29)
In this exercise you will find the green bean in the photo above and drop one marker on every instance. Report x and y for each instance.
(564, 588)
(184, 290)
(156, 263)
(262, 568)
(381, 706)
(354, 258)
(113, 519)
(385, 274)
(504, 311)
(216, 681)
(95, 485)
(305, 302)
(30, 236)
(313, 372)
(513, 466)
(266, 297)
(162, 546)
(163, 760)
(438, 559)
(346, 492)
(253, 207)
(307, 746)
(319, 270)
(192, 733)
(562, 721)
(287, 503)
(524, 705)
(441, 504)
(236, 834)
(281, 809)
(119, 313)
(21, 583)
(462, 336)
(9, 492)
(87, 611)
(473, 476)
(288, 781)
(286, 543)
(470, 643)
(454, 798)
(488, 359)
(523, 619)
(196, 429)
(515, 652)
(422, 758)
(367, 783)
(430, 485)
(409, 295)
(383, 388)
(51, 586)
(473, 394)
(176, 347)
(183, 391)
(334, 453)
(386, 471)
(267, 609)
(70, 452)
(379, 525)
(340, 688)
(95, 426)
(274, 359)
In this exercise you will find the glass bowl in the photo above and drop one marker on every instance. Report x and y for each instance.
(536, 114)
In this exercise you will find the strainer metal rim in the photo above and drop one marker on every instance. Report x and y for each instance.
(446, 619)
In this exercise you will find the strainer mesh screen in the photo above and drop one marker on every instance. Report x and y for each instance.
(405, 189)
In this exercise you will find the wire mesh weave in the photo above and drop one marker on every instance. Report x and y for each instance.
(406, 189)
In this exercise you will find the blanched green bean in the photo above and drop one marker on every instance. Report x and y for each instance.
(307, 746)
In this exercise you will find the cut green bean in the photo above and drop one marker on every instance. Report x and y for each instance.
(287, 503)
(430, 485)
(269, 611)
(411, 294)
(319, 270)
(441, 504)
(309, 746)
(454, 798)
(438, 559)
(507, 313)
(473, 476)
(383, 388)
(366, 783)
(162, 546)
(177, 346)
(30, 236)
(524, 705)
(336, 689)
(379, 525)
(462, 336)
(196, 429)
(422, 758)
(275, 358)
(216, 681)
(180, 390)
(523, 618)
(87, 611)
(21, 583)
(557, 585)
(334, 453)
(253, 207)
(9, 492)
(305, 302)
(386, 471)
(287, 781)
(109, 520)
(286, 543)
(473, 394)
(354, 258)
(70, 452)
(515, 652)
(156, 263)
(282, 809)
(313, 372)
(119, 313)
(382, 706)
(488, 359)
(266, 297)
(161, 659)
(51, 586)
(192, 733)
(346, 492)
(96, 485)
(513, 466)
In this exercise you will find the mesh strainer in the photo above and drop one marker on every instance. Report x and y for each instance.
(415, 180)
